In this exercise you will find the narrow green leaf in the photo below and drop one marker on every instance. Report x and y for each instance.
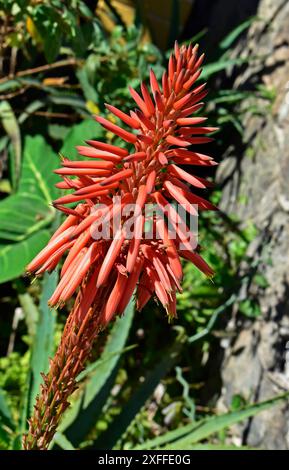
(233, 35)
(30, 311)
(7, 425)
(215, 447)
(92, 367)
(6, 435)
(42, 349)
(89, 90)
(116, 342)
(75, 102)
(10, 125)
(199, 430)
(217, 423)
(119, 426)
(10, 85)
(30, 109)
(232, 97)
(62, 441)
(83, 414)
(5, 412)
(3, 142)
(216, 67)
(43, 343)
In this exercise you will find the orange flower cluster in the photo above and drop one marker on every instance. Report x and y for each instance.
(161, 130)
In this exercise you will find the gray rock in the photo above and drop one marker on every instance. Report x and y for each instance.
(256, 362)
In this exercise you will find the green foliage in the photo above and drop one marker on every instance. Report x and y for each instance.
(113, 65)
(187, 436)
(229, 40)
(6, 420)
(10, 125)
(13, 370)
(43, 341)
(36, 22)
(116, 405)
(14, 257)
(98, 381)
(26, 214)
(121, 423)
(86, 130)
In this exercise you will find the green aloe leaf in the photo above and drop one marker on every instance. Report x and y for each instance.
(198, 430)
(215, 447)
(84, 412)
(39, 161)
(62, 441)
(41, 349)
(119, 426)
(43, 342)
(92, 367)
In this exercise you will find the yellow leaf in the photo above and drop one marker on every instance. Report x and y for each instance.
(32, 30)
(110, 117)
(92, 107)
(54, 81)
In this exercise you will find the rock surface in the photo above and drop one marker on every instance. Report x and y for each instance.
(256, 361)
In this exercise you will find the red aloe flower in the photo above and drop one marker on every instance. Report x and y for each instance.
(107, 269)
(149, 174)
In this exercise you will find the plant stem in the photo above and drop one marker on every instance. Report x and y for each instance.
(80, 332)
(41, 68)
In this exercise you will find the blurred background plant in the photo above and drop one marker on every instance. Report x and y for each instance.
(149, 384)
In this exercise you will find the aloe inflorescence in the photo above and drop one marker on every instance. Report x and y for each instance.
(124, 233)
